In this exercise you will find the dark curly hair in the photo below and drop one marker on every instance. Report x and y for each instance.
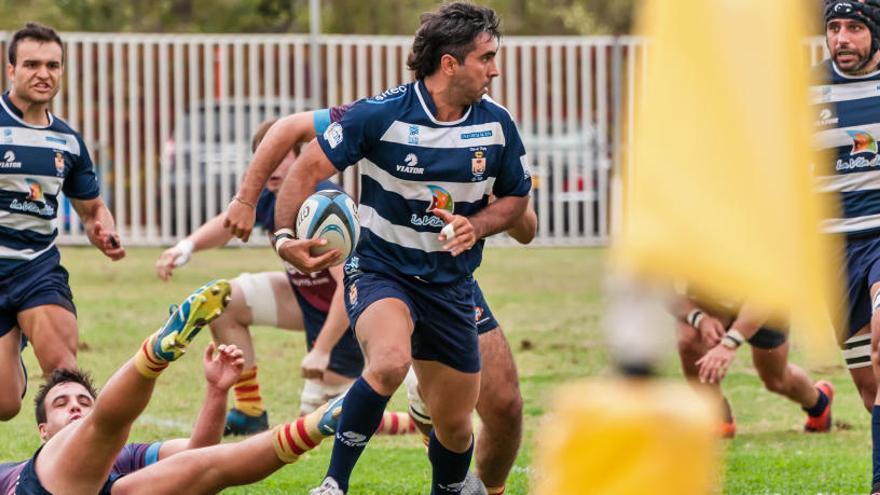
(452, 30)
(36, 32)
(59, 376)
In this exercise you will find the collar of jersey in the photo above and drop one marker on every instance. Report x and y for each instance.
(17, 114)
(428, 108)
(845, 76)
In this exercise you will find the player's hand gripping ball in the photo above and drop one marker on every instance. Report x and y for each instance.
(330, 215)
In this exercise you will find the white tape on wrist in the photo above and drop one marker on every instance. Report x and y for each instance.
(186, 247)
(281, 237)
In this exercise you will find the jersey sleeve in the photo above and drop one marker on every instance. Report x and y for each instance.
(346, 140)
(135, 456)
(265, 210)
(514, 177)
(81, 182)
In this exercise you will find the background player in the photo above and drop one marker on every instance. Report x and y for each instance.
(35, 298)
(74, 420)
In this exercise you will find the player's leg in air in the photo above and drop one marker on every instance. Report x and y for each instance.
(211, 469)
(104, 431)
(770, 357)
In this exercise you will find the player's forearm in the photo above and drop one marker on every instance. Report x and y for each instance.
(748, 321)
(210, 235)
(280, 138)
(498, 216)
(336, 323)
(208, 429)
(310, 168)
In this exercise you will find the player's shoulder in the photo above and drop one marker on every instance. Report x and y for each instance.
(389, 103)
(495, 109)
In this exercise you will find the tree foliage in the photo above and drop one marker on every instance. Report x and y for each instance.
(519, 17)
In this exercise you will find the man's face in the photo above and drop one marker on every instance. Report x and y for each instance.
(37, 71)
(65, 403)
(280, 173)
(849, 42)
(474, 76)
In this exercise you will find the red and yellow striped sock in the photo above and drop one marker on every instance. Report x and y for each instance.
(498, 490)
(146, 362)
(292, 440)
(396, 423)
(247, 393)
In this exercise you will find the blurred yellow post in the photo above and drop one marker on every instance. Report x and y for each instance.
(628, 437)
(720, 195)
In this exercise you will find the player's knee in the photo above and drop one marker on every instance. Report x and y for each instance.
(57, 357)
(775, 384)
(454, 432)
(10, 406)
(504, 409)
(390, 371)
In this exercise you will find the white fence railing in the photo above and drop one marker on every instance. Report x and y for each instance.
(168, 118)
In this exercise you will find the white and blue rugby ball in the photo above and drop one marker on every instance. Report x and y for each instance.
(331, 215)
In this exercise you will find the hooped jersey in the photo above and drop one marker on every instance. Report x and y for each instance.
(411, 163)
(37, 164)
(847, 125)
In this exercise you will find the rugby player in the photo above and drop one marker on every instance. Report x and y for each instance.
(84, 433)
(42, 157)
(433, 146)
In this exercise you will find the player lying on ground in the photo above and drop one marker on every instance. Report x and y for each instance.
(85, 433)
(709, 336)
(288, 300)
(500, 402)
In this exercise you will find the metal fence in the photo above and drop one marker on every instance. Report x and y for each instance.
(168, 118)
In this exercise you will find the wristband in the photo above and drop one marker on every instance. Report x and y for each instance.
(695, 317)
(236, 198)
(281, 237)
(735, 336)
(728, 342)
(186, 248)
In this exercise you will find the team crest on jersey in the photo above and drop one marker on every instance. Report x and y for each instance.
(863, 142)
(478, 164)
(35, 190)
(59, 163)
(413, 134)
(478, 313)
(333, 135)
(440, 198)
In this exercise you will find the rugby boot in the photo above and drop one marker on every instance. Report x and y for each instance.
(239, 423)
(821, 423)
(200, 308)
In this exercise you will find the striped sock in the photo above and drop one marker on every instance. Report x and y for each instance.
(247, 393)
(396, 423)
(292, 440)
(146, 362)
(498, 490)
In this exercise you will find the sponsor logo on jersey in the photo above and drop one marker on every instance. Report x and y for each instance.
(352, 439)
(413, 134)
(826, 118)
(863, 142)
(477, 134)
(9, 161)
(440, 198)
(56, 139)
(353, 294)
(388, 95)
(411, 161)
(35, 190)
(59, 163)
(333, 135)
(478, 313)
(32, 203)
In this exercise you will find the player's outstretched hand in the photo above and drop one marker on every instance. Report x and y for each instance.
(240, 218)
(711, 330)
(297, 252)
(314, 364)
(223, 369)
(170, 259)
(458, 234)
(107, 241)
(714, 365)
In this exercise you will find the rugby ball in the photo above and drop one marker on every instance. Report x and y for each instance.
(330, 215)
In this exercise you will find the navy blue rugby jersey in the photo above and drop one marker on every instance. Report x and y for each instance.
(847, 113)
(37, 164)
(413, 163)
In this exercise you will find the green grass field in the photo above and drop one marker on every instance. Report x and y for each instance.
(549, 304)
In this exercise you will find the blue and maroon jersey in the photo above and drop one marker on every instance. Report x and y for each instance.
(134, 456)
(315, 288)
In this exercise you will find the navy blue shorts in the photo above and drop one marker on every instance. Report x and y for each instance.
(39, 283)
(768, 338)
(483, 316)
(443, 314)
(346, 357)
(862, 271)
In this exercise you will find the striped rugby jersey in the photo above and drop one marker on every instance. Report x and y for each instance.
(413, 163)
(37, 164)
(847, 112)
